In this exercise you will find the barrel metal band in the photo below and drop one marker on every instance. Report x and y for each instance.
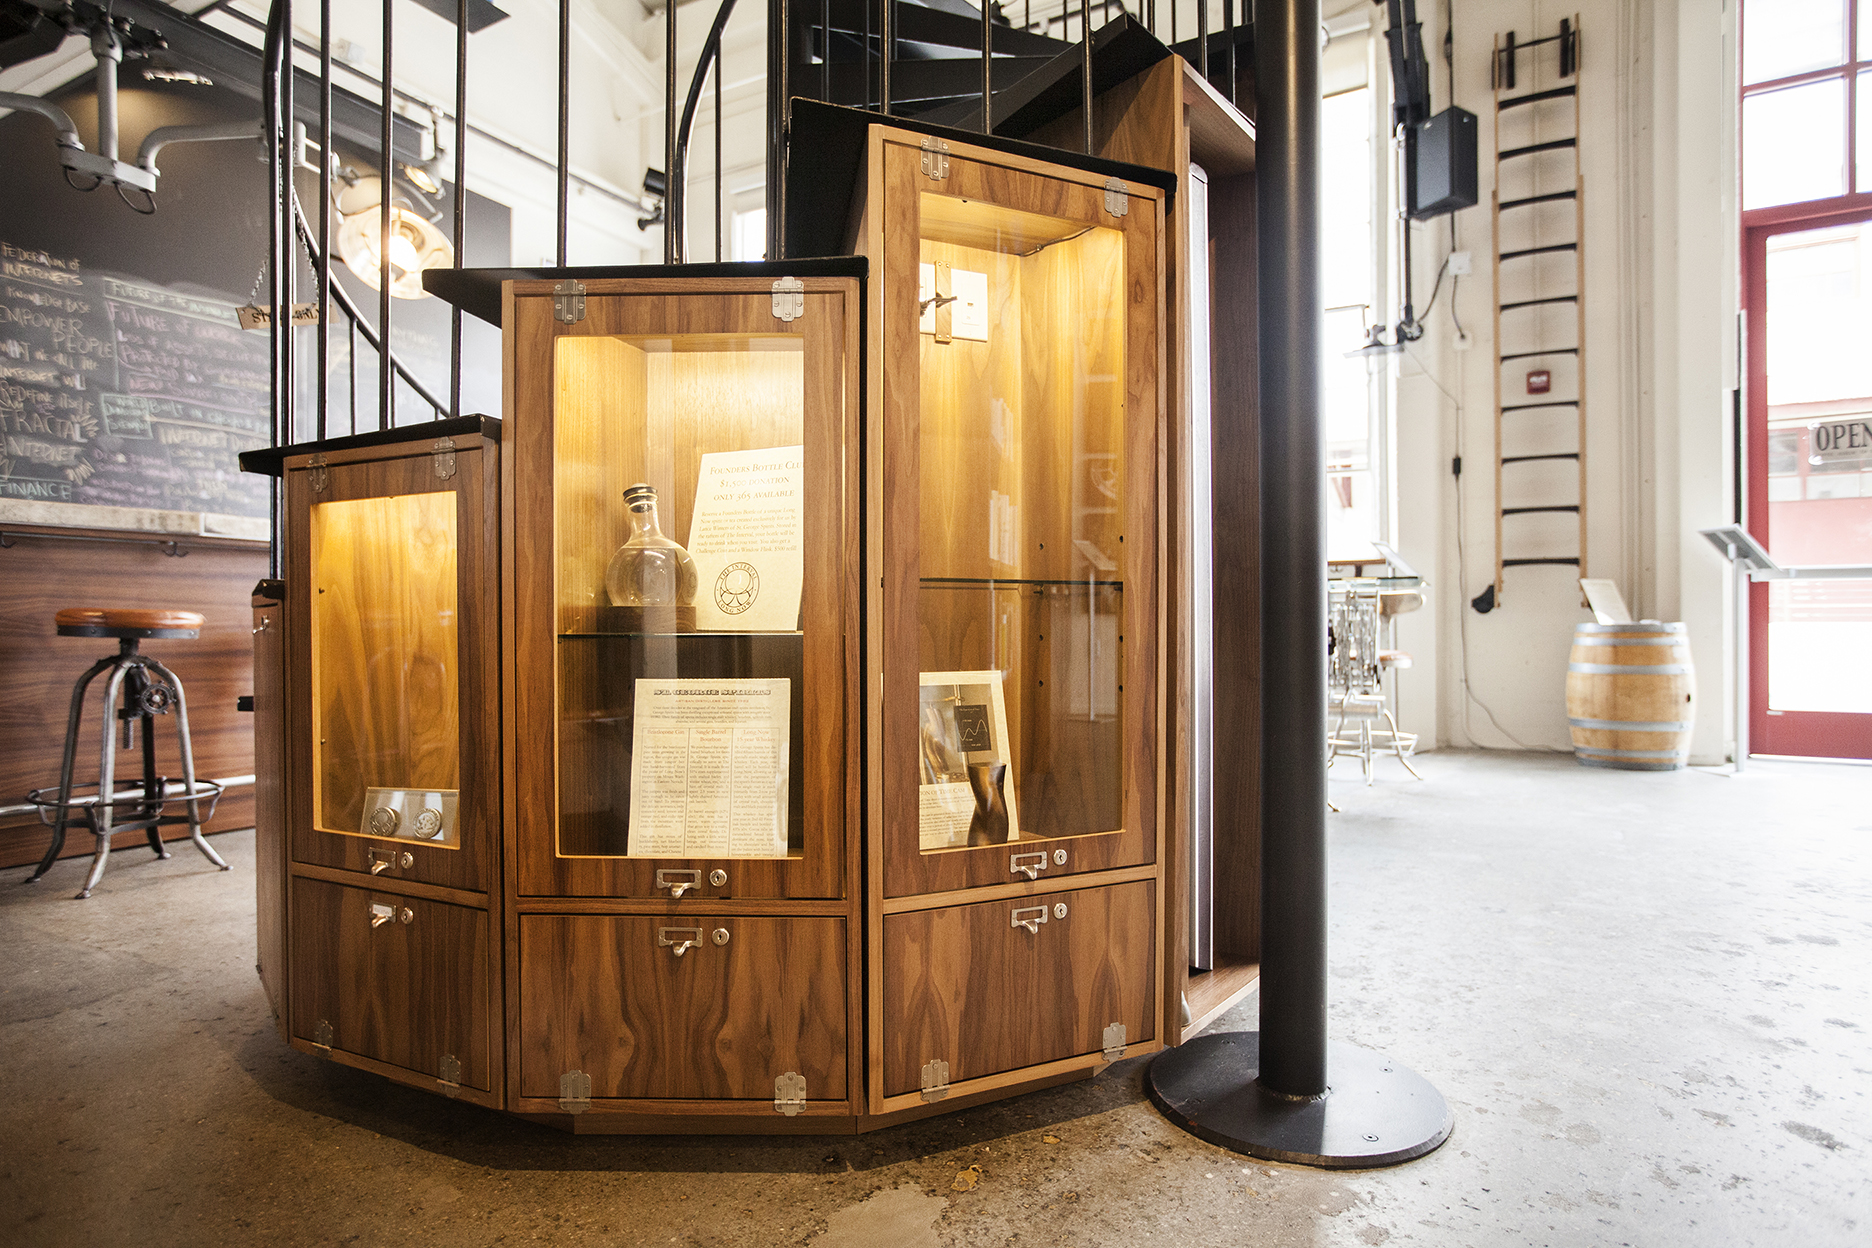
(1593, 751)
(1629, 628)
(1629, 725)
(1635, 669)
(1628, 641)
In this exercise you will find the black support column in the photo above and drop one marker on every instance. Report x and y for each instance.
(1285, 1092)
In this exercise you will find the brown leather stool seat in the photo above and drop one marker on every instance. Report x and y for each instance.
(127, 622)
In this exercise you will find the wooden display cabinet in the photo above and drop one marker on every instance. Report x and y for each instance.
(851, 818)
(1014, 449)
(377, 717)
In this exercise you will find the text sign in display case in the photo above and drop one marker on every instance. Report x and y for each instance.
(685, 623)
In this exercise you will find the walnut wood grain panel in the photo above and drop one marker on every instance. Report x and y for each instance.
(1096, 403)
(270, 840)
(964, 985)
(720, 1022)
(42, 575)
(808, 397)
(404, 993)
(472, 740)
(1236, 408)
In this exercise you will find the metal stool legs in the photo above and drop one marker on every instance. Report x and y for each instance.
(130, 678)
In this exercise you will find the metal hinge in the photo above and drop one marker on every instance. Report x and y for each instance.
(322, 1034)
(935, 1079)
(448, 1074)
(789, 1093)
(444, 452)
(935, 157)
(569, 302)
(1114, 1042)
(1117, 199)
(789, 298)
(575, 1092)
(317, 476)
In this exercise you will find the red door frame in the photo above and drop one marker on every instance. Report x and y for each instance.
(1814, 734)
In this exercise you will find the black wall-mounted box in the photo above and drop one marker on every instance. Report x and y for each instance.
(1440, 164)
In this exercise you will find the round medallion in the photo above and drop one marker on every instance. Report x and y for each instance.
(736, 588)
(429, 823)
(384, 821)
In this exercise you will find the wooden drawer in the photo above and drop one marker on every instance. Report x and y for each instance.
(608, 995)
(974, 987)
(404, 992)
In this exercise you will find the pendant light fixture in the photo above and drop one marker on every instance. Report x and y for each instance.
(415, 244)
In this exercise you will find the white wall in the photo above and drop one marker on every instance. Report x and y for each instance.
(1657, 155)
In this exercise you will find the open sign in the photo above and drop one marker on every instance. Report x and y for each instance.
(1840, 441)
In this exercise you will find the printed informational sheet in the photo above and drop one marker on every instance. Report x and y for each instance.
(746, 536)
(709, 769)
(962, 721)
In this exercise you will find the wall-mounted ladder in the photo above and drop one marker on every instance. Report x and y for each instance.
(1539, 215)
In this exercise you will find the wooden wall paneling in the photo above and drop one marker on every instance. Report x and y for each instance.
(405, 470)
(402, 993)
(271, 857)
(719, 1022)
(39, 575)
(964, 985)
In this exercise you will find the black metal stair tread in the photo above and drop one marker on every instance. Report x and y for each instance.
(1534, 303)
(1537, 199)
(1529, 355)
(1528, 407)
(1532, 148)
(940, 81)
(1524, 563)
(1523, 511)
(1528, 459)
(917, 23)
(1556, 93)
(1537, 251)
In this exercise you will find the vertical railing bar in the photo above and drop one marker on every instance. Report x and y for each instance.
(825, 51)
(324, 230)
(1228, 35)
(987, 37)
(461, 197)
(1085, 69)
(718, 156)
(673, 205)
(1202, 38)
(565, 126)
(867, 53)
(269, 90)
(351, 356)
(887, 35)
(289, 251)
(386, 374)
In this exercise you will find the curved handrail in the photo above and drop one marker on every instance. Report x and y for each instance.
(675, 212)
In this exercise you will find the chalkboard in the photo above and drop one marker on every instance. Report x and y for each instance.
(119, 392)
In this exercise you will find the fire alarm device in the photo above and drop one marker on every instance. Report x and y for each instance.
(1539, 381)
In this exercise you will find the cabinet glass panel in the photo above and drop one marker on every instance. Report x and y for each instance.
(679, 506)
(386, 728)
(1022, 555)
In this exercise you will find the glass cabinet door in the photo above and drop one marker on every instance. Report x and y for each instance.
(687, 556)
(392, 589)
(1026, 731)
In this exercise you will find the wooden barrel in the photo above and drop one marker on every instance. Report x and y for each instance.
(1628, 695)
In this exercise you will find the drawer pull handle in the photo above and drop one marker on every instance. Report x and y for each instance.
(691, 939)
(1035, 916)
(1031, 864)
(671, 878)
(381, 914)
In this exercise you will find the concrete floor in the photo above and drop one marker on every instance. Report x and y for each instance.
(1646, 997)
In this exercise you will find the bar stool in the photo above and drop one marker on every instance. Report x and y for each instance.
(148, 689)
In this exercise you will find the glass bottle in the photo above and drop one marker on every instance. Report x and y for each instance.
(650, 571)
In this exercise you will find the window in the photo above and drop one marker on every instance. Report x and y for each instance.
(1806, 89)
(748, 240)
(1354, 460)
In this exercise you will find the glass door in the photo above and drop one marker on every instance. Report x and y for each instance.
(684, 693)
(1031, 548)
(1810, 380)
